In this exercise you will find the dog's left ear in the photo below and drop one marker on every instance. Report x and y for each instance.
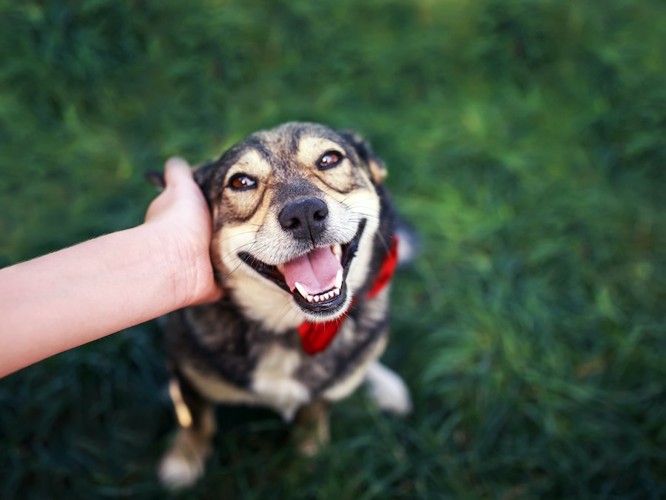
(376, 166)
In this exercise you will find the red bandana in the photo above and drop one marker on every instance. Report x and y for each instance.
(315, 337)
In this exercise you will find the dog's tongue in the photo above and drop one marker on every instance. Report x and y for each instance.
(316, 271)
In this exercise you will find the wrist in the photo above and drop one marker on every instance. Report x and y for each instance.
(185, 267)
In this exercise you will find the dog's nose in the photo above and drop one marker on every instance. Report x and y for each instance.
(305, 219)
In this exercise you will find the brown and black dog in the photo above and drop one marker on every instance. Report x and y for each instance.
(304, 245)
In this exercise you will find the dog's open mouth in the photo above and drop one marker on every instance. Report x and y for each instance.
(316, 279)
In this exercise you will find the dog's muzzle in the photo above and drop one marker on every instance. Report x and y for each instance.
(316, 279)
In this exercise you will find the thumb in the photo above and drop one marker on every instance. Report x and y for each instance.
(176, 171)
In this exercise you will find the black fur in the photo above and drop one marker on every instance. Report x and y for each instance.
(219, 341)
(219, 351)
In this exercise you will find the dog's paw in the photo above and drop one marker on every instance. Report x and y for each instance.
(311, 429)
(177, 471)
(388, 390)
(410, 243)
(183, 464)
(309, 446)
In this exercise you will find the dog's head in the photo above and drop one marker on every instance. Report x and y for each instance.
(295, 210)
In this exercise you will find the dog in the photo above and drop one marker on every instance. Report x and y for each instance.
(304, 245)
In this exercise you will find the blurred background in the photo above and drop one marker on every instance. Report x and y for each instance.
(524, 139)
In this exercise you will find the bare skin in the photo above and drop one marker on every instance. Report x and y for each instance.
(85, 292)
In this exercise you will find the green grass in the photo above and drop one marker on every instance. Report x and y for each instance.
(525, 139)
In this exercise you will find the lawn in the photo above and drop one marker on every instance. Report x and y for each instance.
(526, 140)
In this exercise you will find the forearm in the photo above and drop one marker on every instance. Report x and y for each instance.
(85, 292)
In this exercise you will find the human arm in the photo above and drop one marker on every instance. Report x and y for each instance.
(82, 293)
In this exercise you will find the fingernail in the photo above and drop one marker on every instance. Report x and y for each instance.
(177, 160)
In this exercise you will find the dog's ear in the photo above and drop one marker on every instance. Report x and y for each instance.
(155, 178)
(376, 166)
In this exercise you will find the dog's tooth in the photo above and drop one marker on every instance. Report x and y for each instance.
(336, 292)
(338, 279)
(301, 290)
(317, 298)
(310, 298)
(337, 251)
(327, 295)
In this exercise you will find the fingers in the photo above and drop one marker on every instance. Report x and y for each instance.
(177, 171)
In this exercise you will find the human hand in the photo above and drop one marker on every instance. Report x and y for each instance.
(181, 218)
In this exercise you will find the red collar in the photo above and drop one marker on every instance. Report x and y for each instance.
(315, 337)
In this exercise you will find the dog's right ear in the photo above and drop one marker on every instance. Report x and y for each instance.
(376, 166)
(156, 178)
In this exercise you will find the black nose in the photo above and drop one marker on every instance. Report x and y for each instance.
(305, 219)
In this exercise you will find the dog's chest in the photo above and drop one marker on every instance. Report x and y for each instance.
(275, 382)
(265, 304)
(245, 363)
(271, 381)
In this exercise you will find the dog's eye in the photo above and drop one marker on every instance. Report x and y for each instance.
(329, 160)
(242, 182)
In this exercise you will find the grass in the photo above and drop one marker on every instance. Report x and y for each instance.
(525, 139)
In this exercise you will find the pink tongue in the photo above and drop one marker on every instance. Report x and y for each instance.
(316, 271)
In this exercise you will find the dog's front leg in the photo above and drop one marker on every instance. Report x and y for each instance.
(183, 464)
(312, 428)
